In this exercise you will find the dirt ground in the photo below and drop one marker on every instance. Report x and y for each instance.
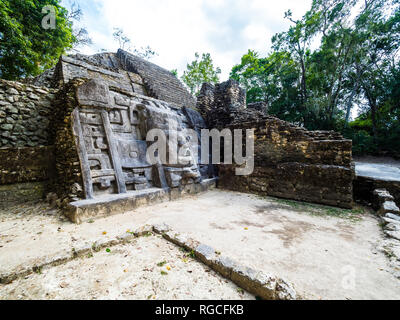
(149, 268)
(326, 253)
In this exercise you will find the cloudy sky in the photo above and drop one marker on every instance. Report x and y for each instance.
(176, 29)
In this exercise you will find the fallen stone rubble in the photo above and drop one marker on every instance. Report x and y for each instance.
(389, 212)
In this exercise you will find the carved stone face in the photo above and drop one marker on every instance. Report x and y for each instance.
(113, 146)
(182, 160)
(174, 126)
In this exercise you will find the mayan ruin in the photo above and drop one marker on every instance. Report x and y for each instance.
(120, 180)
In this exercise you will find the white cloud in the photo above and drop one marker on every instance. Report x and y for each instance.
(177, 29)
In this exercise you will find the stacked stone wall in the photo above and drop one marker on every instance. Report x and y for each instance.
(25, 115)
(68, 183)
(160, 83)
(295, 164)
(290, 162)
(365, 186)
(19, 165)
(26, 137)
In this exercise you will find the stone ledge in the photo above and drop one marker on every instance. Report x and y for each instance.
(392, 216)
(255, 282)
(263, 285)
(389, 207)
(63, 257)
(104, 206)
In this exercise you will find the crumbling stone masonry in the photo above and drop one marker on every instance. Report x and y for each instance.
(26, 152)
(364, 188)
(105, 138)
(103, 113)
(290, 162)
(24, 115)
(79, 130)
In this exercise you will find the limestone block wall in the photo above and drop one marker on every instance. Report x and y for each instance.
(290, 162)
(25, 112)
(20, 165)
(295, 164)
(68, 182)
(26, 151)
(225, 104)
(160, 83)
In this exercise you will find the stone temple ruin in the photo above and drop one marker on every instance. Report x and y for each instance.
(79, 131)
(78, 136)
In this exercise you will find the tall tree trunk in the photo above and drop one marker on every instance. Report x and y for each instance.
(374, 124)
(350, 103)
(374, 109)
(304, 90)
(303, 83)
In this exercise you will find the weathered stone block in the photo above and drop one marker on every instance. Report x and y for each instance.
(392, 216)
(12, 91)
(93, 93)
(389, 207)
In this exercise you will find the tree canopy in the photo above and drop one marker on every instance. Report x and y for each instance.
(199, 71)
(26, 48)
(340, 55)
(340, 58)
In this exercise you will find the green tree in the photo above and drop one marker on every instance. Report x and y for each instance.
(321, 72)
(26, 48)
(378, 28)
(340, 55)
(200, 71)
(272, 80)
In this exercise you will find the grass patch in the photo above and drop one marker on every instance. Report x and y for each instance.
(188, 253)
(38, 270)
(192, 254)
(161, 264)
(95, 247)
(354, 215)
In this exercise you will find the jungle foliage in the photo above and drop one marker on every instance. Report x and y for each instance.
(341, 56)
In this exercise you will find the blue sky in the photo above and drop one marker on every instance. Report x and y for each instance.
(176, 29)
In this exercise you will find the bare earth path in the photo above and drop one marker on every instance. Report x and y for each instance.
(325, 253)
(149, 268)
